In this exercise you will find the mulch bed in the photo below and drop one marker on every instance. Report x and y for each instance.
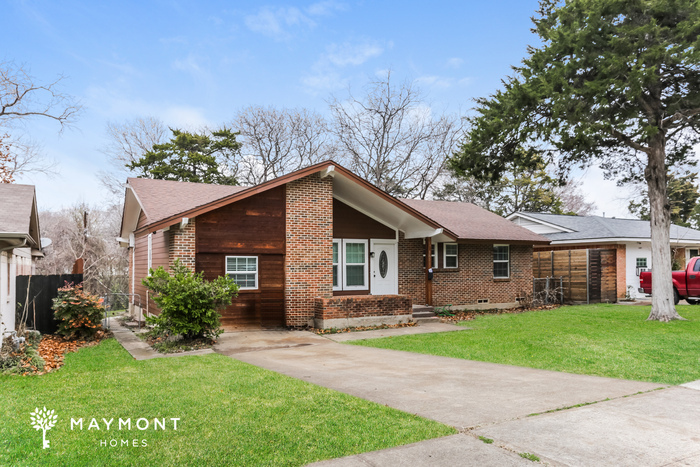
(53, 349)
(363, 328)
(468, 315)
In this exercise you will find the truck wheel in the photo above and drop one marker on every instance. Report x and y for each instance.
(692, 301)
(676, 297)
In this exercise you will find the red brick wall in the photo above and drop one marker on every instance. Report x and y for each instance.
(471, 281)
(309, 256)
(411, 271)
(362, 306)
(182, 245)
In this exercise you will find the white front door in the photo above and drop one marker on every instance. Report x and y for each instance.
(384, 267)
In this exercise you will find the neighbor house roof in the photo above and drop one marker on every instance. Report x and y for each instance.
(471, 222)
(19, 219)
(591, 228)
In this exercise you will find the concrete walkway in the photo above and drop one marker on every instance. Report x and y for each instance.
(138, 348)
(422, 328)
(523, 410)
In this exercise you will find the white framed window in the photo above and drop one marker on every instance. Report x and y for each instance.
(243, 270)
(354, 264)
(150, 253)
(641, 262)
(433, 256)
(501, 261)
(693, 252)
(337, 270)
(450, 254)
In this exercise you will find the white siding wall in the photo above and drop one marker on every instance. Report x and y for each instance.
(535, 227)
(636, 250)
(8, 271)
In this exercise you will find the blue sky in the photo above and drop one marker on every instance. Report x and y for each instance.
(196, 63)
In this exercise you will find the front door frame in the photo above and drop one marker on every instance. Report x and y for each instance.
(374, 264)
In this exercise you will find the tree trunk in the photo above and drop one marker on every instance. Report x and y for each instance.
(662, 294)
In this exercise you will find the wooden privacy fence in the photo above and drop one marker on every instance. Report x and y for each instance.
(37, 293)
(588, 276)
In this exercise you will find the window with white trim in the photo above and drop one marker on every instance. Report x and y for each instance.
(243, 270)
(354, 264)
(501, 261)
(433, 256)
(450, 255)
(641, 262)
(150, 253)
(337, 272)
(350, 265)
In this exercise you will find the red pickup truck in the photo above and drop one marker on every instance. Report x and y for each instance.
(686, 284)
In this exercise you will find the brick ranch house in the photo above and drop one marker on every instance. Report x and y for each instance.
(322, 247)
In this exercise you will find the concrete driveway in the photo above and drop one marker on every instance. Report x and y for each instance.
(630, 422)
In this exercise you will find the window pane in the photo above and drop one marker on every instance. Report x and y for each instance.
(641, 262)
(335, 253)
(244, 280)
(355, 275)
(500, 253)
(500, 269)
(335, 275)
(451, 262)
(355, 253)
(450, 249)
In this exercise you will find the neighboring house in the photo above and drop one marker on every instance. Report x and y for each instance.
(628, 240)
(322, 247)
(20, 245)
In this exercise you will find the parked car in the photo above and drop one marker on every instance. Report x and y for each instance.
(686, 284)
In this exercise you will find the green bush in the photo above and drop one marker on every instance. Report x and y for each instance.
(79, 314)
(189, 304)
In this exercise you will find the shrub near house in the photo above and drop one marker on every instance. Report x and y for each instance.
(79, 314)
(189, 305)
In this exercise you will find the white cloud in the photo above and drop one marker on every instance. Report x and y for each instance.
(352, 54)
(326, 8)
(454, 62)
(324, 81)
(277, 22)
(435, 81)
(608, 197)
(112, 104)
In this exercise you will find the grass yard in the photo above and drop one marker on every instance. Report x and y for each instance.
(231, 413)
(602, 340)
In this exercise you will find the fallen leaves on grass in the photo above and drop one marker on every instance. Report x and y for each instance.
(54, 348)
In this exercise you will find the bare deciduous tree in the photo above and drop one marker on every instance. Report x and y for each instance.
(391, 138)
(279, 141)
(86, 232)
(22, 98)
(573, 199)
(128, 142)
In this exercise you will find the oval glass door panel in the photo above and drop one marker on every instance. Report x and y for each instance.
(383, 264)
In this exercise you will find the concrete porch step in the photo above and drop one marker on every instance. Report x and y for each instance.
(429, 319)
(424, 314)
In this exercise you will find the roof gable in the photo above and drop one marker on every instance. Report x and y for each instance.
(19, 216)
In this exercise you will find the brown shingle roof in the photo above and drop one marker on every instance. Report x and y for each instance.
(471, 222)
(161, 199)
(15, 207)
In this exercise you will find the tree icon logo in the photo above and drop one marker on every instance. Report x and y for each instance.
(43, 420)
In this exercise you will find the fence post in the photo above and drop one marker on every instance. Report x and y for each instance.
(561, 290)
(546, 292)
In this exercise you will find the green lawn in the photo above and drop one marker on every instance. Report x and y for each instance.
(603, 340)
(231, 413)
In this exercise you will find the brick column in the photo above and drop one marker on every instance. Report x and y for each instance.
(309, 255)
(182, 245)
